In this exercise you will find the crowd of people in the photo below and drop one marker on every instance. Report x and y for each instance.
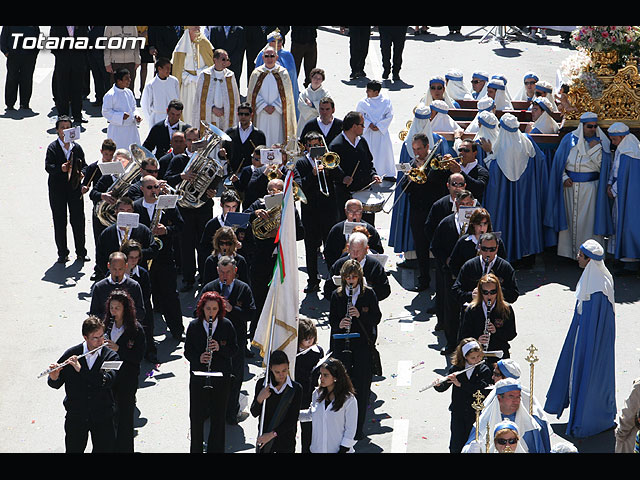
(494, 200)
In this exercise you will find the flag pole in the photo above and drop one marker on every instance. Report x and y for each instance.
(268, 359)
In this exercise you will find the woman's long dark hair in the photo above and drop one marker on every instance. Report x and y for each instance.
(343, 386)
(128, 315)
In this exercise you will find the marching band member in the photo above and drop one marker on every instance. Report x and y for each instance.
(125, 336)
(355, 309)
(210, 344)
(467, 354)
(163, 269)
(489, 318)
(225, 243)
(84, 380)
(240, 310)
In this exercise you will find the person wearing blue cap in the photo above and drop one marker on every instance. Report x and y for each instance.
(577, 204)
(528, 91)
(479, 80)
(584, 379)
(625, 173)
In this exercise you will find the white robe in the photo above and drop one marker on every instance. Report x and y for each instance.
(190, 81)
(307, 112)
(580, 202)
(217, 95)
(270, 124)
(155, 98)
(117, 102)
(379, 112)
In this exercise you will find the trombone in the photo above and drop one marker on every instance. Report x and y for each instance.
(416, 174)
(328, 160)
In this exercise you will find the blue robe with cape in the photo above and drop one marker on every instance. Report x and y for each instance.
(587, 360)
(517, 208)
(555, 214)
(400, 236)
(628, 227)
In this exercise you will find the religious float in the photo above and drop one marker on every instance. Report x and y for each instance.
(602, 76)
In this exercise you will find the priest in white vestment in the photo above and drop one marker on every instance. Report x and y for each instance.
(193, 54)
(158, 92)
(271, 96)
(119, 109)
(217, 97)
(377, 112)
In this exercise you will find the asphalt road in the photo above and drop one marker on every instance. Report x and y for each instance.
(43, 303)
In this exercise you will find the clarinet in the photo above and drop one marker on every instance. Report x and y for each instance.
(347, 346)
(486, 325)
(207, 382)
(109, 327)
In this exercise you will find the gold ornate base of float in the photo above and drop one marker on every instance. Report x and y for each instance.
(620, 99)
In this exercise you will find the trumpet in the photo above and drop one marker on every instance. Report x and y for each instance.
(402, 135)
(439, 163)
(416, 175)
(68, 361)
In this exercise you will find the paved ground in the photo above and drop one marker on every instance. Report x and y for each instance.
(44, 303)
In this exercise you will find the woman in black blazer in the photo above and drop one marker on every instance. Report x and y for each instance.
(208, 396)
(125, 336)
(468, 353)
(354, 308)
(489, 304)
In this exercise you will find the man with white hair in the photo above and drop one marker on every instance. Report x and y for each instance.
(506, 404)
(372, 269)
(584, 379)
(622, 187)
(517, 171)
(578, 207)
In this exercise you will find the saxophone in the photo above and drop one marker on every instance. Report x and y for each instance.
(204, 164)
(105, 212)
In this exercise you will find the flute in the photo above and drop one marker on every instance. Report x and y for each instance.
(445, 379)
(68, 360)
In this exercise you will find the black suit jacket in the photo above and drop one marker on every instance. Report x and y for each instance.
(103, 185)
(66, 56)
(471, 272)
(336, 242)
(234, 44)
(476, 181)
(241, 152)
(318, 206)
(349, 158)
(88, 392)
(164, 39)
(473, 324)
(241, 299)
(54, 158)
(103, 288)
(108, 242)
(439, 210)
(462, 397)
(158, 140)
(195, 344)
(312, 126)
(444, 238)
(170, 218)
(374, 274)
(465, 250)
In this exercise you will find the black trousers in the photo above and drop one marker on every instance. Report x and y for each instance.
(317, 225)
(461, 425)
(101, 78)
(208, 404)
(391, 47)
(237, 367)
(78, 427)
(124, 392)
(164, 288)
(20, 68)
(358, 47)
(307, 52)
(359, 369)
(194, 223)
(69, 79)
(61, 200)
(417, 217)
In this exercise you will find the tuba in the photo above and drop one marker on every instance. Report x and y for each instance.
(265, 228)
(105, 212)
(204, 164)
